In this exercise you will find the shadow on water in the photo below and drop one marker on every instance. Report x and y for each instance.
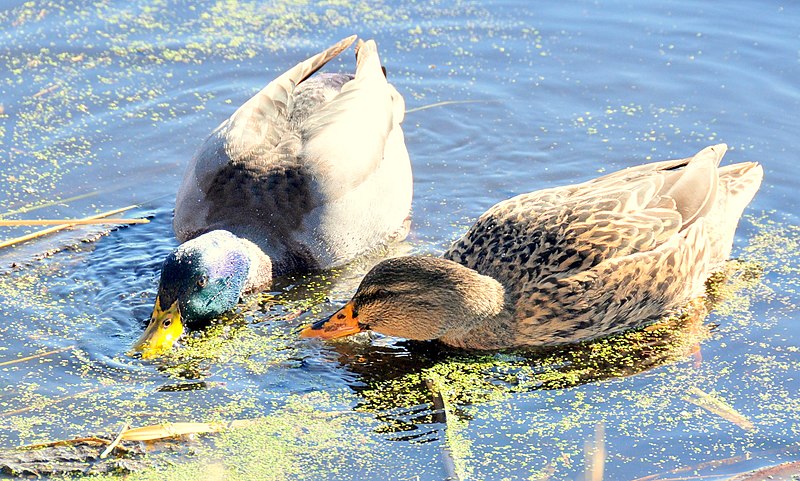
(404, 382)
(243, 366)
(104, 102)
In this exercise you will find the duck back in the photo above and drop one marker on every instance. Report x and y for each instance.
(586, 260)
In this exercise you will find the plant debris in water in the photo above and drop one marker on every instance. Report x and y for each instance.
(89, 71)
(77, 457)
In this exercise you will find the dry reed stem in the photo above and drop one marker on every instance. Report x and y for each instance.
(595, 454)
(36, 356)
(49, 403)
(51, 203)
(171, 430)
(710, 403)
(785, 471)
(449, 102)
(115, 442)
(46, 91)
(20, 223)
(25, 238)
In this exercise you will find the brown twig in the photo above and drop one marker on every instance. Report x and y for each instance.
(36, 356)
(19, 240)
(690, 478)
(50, 402)
(19, 223)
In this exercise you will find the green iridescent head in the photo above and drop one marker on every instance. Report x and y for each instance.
(200, 280)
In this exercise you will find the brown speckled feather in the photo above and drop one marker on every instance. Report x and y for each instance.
(612, 253)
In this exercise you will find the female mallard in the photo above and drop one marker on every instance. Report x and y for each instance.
(308, 174)
(563, 264)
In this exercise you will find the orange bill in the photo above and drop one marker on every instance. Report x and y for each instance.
(342, 323)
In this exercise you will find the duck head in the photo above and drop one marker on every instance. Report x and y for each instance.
(201, 279)
(418, 298)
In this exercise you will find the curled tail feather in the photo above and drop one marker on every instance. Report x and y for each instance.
(738, 185)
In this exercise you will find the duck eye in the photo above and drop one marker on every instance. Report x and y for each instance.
(382, 292)
(202, 282)
(167, 322)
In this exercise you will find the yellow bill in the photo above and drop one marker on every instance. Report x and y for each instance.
(164, 329)
(342, 323)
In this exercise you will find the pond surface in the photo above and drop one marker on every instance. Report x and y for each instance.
(103, 103)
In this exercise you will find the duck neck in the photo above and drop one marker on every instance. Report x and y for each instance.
(486, 315)
(493, 332)
(259, 274)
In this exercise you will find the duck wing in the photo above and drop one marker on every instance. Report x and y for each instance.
(271, 172)
(344, 142)
(355, 149)
(578, 259)
(566, 230)
(247, 172)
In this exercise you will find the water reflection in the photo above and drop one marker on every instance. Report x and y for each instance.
(579, 87)
(404, 382)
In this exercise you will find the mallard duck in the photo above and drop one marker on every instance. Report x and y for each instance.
(564, 264)
(307, 175)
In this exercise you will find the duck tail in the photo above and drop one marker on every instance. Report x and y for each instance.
(308, 67)
(367, 58)
(280, 89)
(695, 186)
(738, 185)
(251, 122)
(368, 63)
(741, 182)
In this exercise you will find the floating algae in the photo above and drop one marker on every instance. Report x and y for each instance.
(388, 385)
(116, 96)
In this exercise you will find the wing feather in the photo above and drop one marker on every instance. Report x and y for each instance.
(586, 260)
(363, 114)
(562, 232)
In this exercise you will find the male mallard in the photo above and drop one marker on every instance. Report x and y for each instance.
(564, 264)
(308, 174)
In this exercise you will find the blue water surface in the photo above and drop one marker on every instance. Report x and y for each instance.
(102, 105)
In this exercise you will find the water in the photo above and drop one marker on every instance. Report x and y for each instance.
(103, 104)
